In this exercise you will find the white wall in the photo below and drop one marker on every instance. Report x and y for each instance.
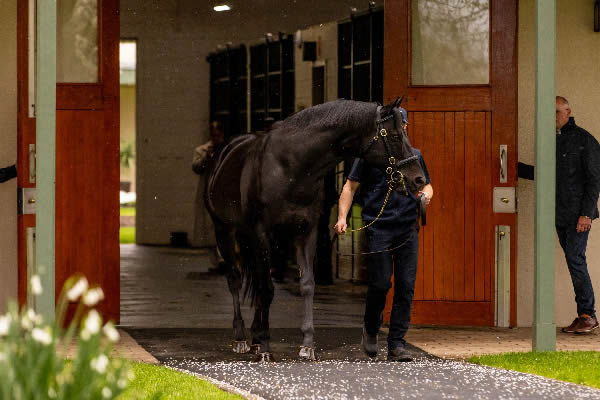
(8, 151)
(174, 37)
(326, 36)
(577, 79)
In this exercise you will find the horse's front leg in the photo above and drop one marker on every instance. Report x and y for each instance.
(306, 249)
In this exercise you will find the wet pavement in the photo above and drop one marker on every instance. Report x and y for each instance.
(180, 312)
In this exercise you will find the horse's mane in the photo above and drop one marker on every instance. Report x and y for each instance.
(337, 114)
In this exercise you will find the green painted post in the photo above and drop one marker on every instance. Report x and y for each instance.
(544, 329)
(45, 152)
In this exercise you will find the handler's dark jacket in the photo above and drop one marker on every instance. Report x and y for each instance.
(577, 174)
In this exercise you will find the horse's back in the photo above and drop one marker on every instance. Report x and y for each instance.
(223, 191)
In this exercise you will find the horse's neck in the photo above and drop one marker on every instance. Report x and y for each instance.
(314, 154)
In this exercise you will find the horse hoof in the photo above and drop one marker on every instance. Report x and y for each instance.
(255, 349)
(240, 346)
(265, 357)
(307, 353)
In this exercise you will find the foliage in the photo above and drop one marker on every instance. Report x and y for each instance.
(33, 352)
(126, 154)
(582, 367)
(166, 384)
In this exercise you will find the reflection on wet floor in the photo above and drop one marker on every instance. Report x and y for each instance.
(164, 287)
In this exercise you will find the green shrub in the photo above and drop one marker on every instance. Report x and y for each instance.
(33, 363)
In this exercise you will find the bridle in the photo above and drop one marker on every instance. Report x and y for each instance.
(395, 177)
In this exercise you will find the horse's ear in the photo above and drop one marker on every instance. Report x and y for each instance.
(398, 102)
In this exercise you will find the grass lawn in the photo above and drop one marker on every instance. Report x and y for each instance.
(158, 382)
(127, 211)
(582, 367)
(127, 234)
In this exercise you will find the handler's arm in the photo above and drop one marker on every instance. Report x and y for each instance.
(344, 205)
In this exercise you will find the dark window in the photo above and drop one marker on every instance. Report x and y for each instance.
(228, 84)
(272, 89)
(318, 85)
(360, 57)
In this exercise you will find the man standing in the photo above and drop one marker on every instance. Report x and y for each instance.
(394, 240)
(577, 187)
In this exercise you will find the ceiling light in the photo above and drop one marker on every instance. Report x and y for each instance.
(223, 7)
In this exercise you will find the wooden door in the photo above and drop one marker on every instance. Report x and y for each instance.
(459, 129)
(87, 161)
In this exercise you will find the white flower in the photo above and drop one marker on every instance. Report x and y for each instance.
(26, 322)
(78, 289)
(52, 393)
(92, 325)
(106, 392)
(122, 383)
(35, 318)
(130, 375)
(100, 363)
(110, 332)
(93, 296)
(5, 321)
(36, 285)
(42, 336)
(3, 356)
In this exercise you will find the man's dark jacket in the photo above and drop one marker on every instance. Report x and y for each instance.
(577, 174)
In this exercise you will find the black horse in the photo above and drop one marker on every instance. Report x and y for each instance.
(268, 187)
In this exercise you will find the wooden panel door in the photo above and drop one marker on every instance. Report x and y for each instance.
(87, 167)
(459, 129)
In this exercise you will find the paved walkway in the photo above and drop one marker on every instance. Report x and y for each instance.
(181, 313)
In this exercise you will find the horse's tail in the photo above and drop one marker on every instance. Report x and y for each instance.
(248, 269)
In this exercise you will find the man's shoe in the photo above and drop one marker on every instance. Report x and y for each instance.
(399, 353)
(586, 324)
(571, 328)
(369, 344)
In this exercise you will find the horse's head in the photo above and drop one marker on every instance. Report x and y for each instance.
(389, 149)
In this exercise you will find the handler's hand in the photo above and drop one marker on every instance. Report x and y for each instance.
(340, 227)
(584, 224)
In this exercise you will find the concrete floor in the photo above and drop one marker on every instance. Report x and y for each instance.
(163, 287)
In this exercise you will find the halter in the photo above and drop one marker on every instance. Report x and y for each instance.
(395, 177)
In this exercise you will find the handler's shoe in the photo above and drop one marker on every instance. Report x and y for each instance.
(582, 324)
(586, 324)
(571, 328)
(399, 353)
(369, 344)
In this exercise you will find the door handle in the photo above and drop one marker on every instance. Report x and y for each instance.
(503, 163)
(31, 163)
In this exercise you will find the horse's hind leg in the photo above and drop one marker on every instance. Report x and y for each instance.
(226, 242)
(306, 250)
(264, 292)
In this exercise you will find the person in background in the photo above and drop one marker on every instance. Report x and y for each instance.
(577, 187)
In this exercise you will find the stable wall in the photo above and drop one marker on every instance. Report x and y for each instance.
(577, 79)
(8, 152)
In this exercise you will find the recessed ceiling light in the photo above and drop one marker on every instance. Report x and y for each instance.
(223, 7)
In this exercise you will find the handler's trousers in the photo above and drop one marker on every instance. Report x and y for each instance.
(574, 245)
(403, 263)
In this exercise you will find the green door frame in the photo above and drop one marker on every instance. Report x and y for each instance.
(544, 327)
(45, 125)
